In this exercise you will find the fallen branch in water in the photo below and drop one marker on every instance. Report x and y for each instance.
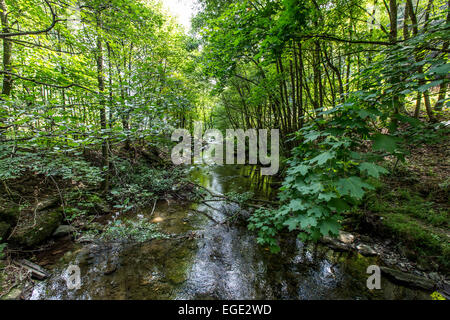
(36, 271)
(207, 215)
(222, 197)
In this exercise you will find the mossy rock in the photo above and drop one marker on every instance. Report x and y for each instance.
(31, 235)
(10, 215)
(4, 229)
(14, 294)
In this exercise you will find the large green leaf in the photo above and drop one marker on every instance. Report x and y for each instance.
(338, 205)
(329, 227)
(353, 187)
(301, 168)
(310, 188)
(297, 205)
(372, 169)
(383, 142)
(302, 221)
(323, 157)
(429, 85)
(442, 69)
(311, 136)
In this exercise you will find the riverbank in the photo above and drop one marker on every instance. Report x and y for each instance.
(50, 205)
(405, 220)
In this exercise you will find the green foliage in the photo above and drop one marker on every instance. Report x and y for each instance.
(2, 248)
(138, 185)
(14, 164)
(326, 176)
(129, 230)
(240, 198)
(437, 296)
(150, 83)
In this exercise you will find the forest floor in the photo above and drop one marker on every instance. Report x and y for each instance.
(411, 207)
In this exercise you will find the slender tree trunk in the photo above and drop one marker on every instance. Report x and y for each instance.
(7, 53)
(7, 50)
(418, 102)
(443, 87)
(419, 57)
(301, 111)
(318, 91)
(393, 34)
(405, 20)
(101, 89)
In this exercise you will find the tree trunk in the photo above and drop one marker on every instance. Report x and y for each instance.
(393, 15)
(443, 87)
(7, 50)
(101, 89)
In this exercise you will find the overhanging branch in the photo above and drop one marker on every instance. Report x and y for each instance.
(72, 85)
(381, 43)
(24, 33)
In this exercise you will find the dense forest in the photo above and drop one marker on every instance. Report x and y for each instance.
(91, 91)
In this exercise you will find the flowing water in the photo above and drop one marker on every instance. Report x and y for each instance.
(213, 260)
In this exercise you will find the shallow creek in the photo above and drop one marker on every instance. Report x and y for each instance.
(215, 261)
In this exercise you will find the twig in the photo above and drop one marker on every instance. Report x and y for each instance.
(60, 195)
(226, 198)
(154, 206)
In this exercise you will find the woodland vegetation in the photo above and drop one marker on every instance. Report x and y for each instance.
(91, 91)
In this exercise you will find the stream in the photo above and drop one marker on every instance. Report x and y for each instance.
(214, 260)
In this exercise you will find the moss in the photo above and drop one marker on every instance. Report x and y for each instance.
(32, 235)
(407, 202)
(419, 238)
(4, 228)
(411, 230)
(418, 222)
(177, 266)
(10, 215)
(355, 265)
(376, 183)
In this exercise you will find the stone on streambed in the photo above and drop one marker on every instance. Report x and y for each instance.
(14, 294)
(366, 250)
(409, 279)
(343, 242)
(63, 230)
(346, 237)
(34, 233)
(336, 244)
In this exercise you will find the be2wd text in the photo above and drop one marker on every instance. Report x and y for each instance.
(246, 309)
